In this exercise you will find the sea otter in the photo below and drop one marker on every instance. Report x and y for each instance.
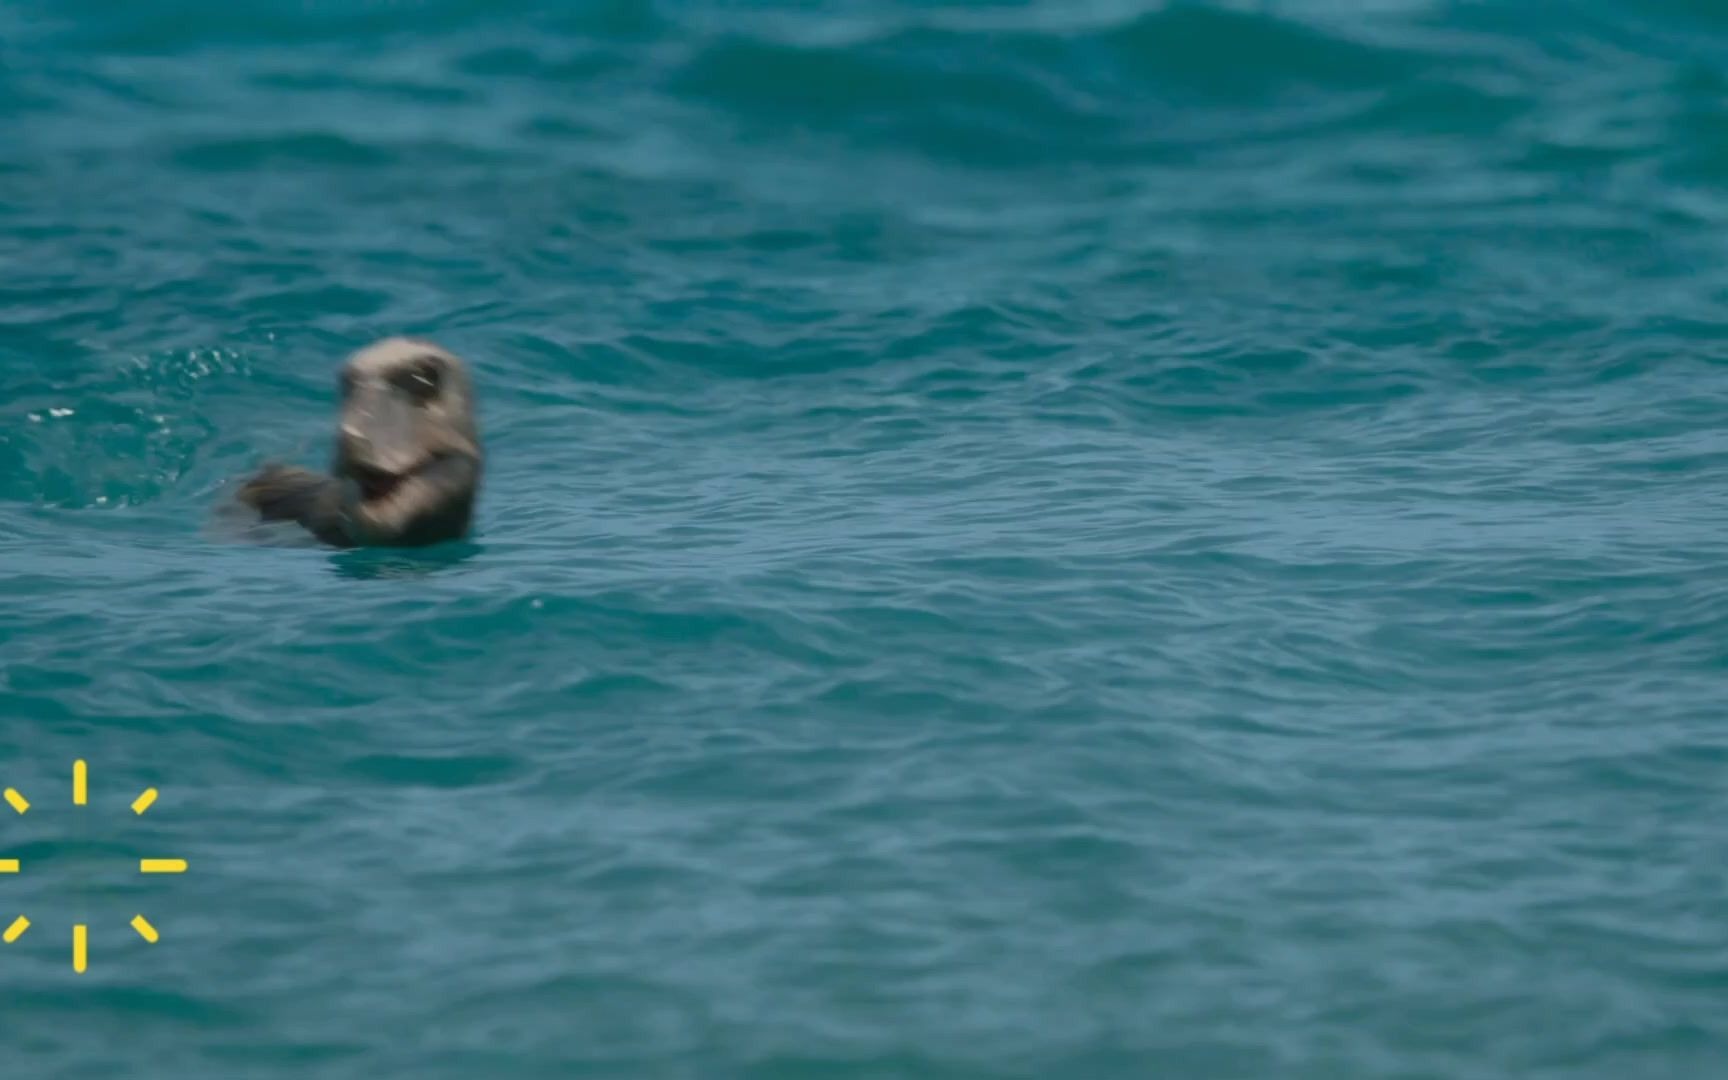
(407, 463)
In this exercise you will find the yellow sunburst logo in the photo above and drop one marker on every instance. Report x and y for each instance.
(80, 931)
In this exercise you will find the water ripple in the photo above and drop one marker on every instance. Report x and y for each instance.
(994, 512)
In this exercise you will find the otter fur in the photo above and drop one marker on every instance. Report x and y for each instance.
(407, 460)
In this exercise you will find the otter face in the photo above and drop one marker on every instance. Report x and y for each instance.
(407, 445)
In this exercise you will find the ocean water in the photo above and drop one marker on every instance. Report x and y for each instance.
(1062, 538)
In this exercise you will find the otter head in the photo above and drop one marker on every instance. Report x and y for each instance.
(407, 446)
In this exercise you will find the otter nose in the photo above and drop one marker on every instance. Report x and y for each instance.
(382, 432)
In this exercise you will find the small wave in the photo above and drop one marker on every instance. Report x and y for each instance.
(319, 149)
(1016, 97)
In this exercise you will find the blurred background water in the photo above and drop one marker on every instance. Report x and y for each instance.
(1060, 538)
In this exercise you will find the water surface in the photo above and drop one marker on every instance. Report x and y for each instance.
(1021, 540)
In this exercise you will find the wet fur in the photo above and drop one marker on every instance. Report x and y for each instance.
(290, 493)
(435, 459)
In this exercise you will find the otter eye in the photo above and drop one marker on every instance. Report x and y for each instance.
(422, 380)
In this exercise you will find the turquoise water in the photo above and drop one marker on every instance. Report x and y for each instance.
(1055, 539)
